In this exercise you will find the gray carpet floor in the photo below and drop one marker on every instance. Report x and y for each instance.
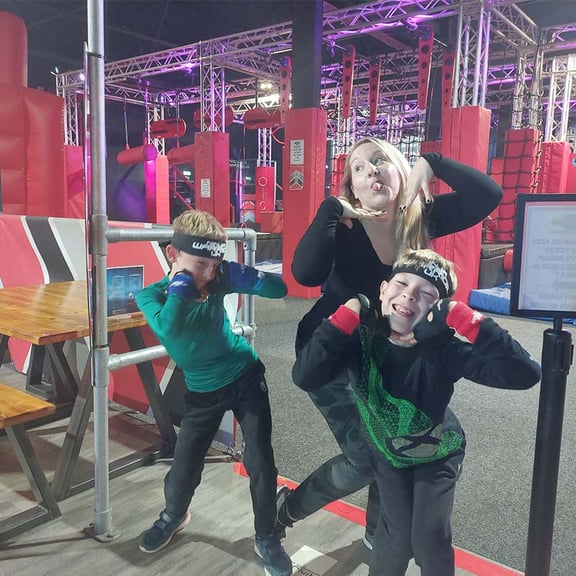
(493, 496)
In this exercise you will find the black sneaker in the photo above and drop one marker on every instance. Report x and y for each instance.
(283, 520)
(276, 561)
(368, 540)
(161, 533)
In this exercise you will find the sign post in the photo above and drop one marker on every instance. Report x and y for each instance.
(544, 285)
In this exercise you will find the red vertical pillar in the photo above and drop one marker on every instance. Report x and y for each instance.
(304, 176)
(374, 90)
(425, 45)
(157, 190)
(212, 174)
(460, 127)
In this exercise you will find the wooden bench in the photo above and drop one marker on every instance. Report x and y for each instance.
(17, 408)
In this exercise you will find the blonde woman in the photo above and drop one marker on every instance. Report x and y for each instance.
(350, 247)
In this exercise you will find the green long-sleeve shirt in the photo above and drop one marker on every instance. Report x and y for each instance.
(198, 335)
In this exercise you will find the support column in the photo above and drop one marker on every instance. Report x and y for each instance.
(304, 178)
(212, 174)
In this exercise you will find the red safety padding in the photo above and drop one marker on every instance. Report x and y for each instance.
(13, 50)
(13, 149)
(74, 156)
(157, 190)
(46, 166)
(460, 126)
(181, 155)
(554, 162)
(137, 155)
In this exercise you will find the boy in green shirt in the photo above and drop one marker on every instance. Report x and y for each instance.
(222, 372)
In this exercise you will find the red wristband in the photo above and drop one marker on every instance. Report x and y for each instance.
(465, 321)
(345, 319)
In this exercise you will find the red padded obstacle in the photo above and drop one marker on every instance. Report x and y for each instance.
(169, 128)
(137, 155)
(460, 127)
(182, 155)
(520, 167)
(262, 118)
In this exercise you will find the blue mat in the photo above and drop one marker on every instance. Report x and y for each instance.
(497, 300)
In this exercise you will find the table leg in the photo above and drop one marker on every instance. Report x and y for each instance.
(3, 347)
(66, 385)
(153, 392)
(34, 383)
(74, 436)
(47, 507)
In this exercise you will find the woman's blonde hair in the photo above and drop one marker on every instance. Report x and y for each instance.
(199, 223)
(411, 230)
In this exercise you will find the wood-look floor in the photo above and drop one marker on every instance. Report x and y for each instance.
(217, 542)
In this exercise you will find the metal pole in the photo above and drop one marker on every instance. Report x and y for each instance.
(557, 353)
(101, 529)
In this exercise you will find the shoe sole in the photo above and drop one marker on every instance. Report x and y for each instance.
(178, 528)
(367, 543)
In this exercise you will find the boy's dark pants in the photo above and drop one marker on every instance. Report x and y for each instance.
(247, 397)
(346, 473)
(416, 505)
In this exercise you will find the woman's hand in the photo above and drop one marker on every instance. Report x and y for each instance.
(419, 182)
(349, 212)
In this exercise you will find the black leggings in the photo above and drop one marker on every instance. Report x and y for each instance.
(344, 474)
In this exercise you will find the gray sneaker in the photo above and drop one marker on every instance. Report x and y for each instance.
(276, 561)
(161, 533)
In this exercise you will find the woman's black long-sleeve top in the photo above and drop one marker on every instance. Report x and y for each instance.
(344, 259)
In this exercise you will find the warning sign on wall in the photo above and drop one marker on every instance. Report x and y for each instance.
(296, 179)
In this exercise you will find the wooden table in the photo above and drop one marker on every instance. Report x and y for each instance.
(48, 315)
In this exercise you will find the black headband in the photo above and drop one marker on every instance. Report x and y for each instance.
(198, 245)
(432, 272)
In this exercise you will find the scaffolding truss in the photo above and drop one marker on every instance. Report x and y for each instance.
(499, 58)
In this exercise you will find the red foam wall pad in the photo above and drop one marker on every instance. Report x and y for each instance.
(554, 164)
(460, 126)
